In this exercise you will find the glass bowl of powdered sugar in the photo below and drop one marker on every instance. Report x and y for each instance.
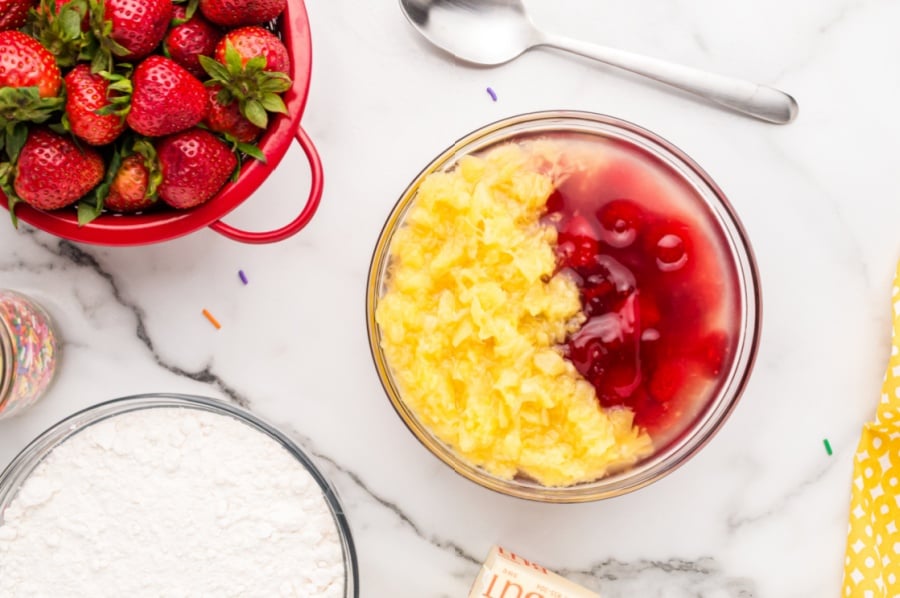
(169, 495)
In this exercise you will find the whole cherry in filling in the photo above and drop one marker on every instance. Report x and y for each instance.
(656, 289)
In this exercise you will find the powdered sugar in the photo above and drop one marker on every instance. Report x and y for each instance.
(170, 502)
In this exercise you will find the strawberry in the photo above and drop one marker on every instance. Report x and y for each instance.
(128, 190)
(251, 68)
(195, 164)
(132, 177)
(232, 13)
(166, 98)
(251, 42)
(29, 84)
(52, 172)
(189, 39)
(128, 29)
(24, 62)
(86, 95)
(13, 13)
(134, 184)
(227, 119)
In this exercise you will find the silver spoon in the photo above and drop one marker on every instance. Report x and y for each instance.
(491, 32)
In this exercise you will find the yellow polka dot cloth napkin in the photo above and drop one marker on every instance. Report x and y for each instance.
(872, 565)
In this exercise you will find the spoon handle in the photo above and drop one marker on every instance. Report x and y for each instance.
(765, 103)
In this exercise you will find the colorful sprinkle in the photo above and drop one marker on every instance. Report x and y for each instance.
(34, 351)
(242, 276)
(492, 93)
(211, 319)
(827, 447)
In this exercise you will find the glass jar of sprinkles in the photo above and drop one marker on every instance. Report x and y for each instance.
(28, 352)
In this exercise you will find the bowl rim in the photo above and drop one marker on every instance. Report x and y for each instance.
(155, 227)
(23, 464)
(715, 414)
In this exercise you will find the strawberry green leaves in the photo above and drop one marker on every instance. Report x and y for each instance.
(255, 89)
(13, 140)
(62, 27)
(118, 92)
(24, 104)
(108, 47)
(189, 10)
(18, 106)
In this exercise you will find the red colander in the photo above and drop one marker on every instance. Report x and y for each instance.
(163, 225)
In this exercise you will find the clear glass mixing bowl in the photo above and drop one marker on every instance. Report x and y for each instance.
(737, 249)
(31, 456)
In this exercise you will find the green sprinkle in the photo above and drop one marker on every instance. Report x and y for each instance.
(828, 447)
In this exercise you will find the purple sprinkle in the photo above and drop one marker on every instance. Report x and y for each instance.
(242, 276)
(492, 93)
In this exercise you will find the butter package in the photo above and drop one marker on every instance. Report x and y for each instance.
(507, 575)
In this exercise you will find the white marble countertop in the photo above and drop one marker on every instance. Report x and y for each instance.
(761, 511)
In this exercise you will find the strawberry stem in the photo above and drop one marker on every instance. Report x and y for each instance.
(254, 88)
(108, 47)
(118, 93)
(14, 139)
(24, 104)
(58, 28)
(145, 149)
(189, 12)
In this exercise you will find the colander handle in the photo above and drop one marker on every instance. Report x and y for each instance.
(306, 214)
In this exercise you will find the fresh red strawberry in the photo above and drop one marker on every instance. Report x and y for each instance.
(188, 40)
(129, 29)
(128, 190)
(29, 84)
(86, 94)
(13, 13)
(52, 172)
(251, 42)
(24, 62)
(227, 119)
(133, 184)
(232, 13)
(132, 178)
(166, 98)
(251, 67)
(195, 164)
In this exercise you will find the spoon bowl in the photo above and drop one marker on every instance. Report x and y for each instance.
(493, 32)
(461, 27)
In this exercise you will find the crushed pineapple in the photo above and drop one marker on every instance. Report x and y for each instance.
(470, 321)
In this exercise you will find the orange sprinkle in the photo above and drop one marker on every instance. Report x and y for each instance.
(211, 319)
